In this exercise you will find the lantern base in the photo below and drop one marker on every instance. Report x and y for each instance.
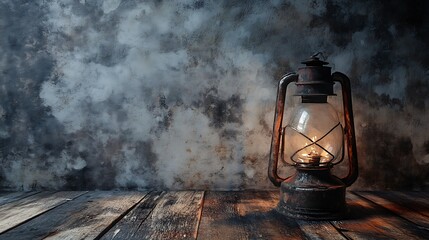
(313, 194)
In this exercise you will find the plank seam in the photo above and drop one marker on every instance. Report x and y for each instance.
(403, 205)
(391, 212)
(151, 210)
(35, 216)
(339, 231)
(21, 198)
(113, 223)
(200, 214)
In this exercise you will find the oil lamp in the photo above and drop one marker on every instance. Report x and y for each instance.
(312, 141)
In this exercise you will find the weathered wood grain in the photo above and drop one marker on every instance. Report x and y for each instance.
(175, 216)
(320, 230)
(129, 225)
(400, 206)
(97, 216)
(188, 214)
(218, 210)
(368, 220)
(86, 217)
(20, 211)
(257, 212)
(245, 215)
(267, 201)
(7, 197)
(418, 201)
(132, 226)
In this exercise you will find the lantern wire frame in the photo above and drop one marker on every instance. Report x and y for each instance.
(295, 162)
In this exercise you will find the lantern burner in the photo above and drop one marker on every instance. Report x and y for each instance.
(313, 157)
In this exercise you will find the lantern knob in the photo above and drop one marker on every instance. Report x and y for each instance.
(314, 60)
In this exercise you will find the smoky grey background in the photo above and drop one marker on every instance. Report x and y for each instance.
(181, 94)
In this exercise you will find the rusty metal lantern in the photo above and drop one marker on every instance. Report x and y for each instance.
(312, 141)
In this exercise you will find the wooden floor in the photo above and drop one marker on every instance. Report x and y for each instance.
(203, 215)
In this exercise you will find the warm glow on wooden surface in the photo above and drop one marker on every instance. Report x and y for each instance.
(203, 215)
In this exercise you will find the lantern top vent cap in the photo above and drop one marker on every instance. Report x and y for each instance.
(315, 61)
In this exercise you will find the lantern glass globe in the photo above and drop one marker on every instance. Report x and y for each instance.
(313, 135)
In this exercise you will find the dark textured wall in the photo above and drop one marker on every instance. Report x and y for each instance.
(180, 94)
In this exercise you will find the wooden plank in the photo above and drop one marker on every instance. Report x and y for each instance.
(96, 217)
(20, 211)
(257, 212)
(218, 209)
(424, 194)
(8, 197)
(86, 217)
(367, 220)
(418, 201)
(400, 206)
(311, 229)
(129, 225)
(174, 216)
(245, 215)
(320, 230)
(265, 201)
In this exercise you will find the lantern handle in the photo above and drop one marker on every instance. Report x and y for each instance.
(349, 128)
(277, 128)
